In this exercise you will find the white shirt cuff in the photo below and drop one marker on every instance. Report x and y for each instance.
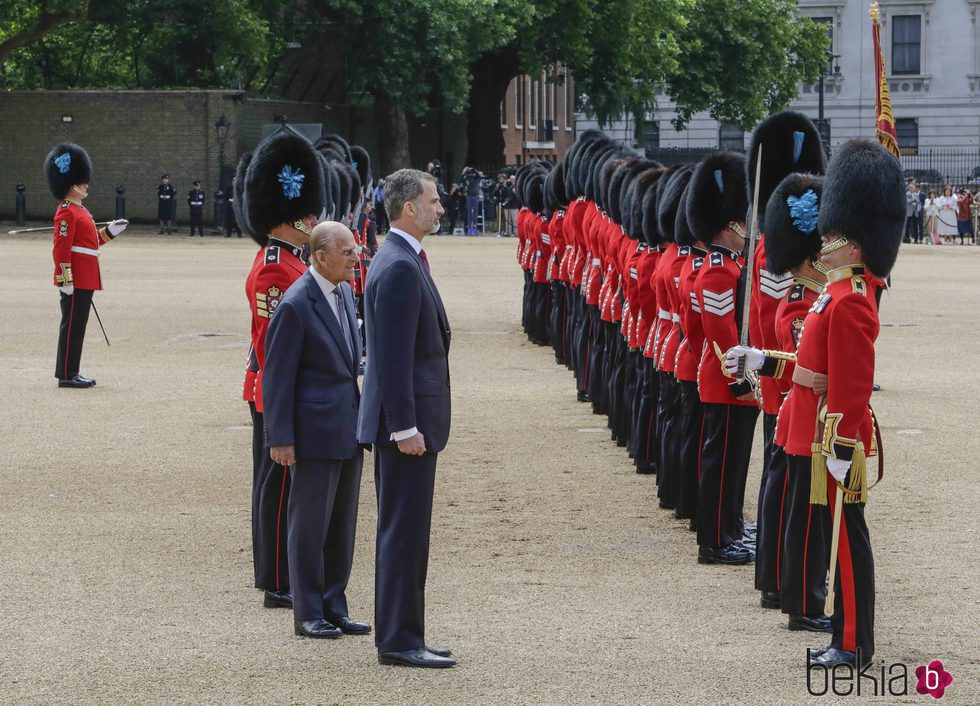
(402, 435)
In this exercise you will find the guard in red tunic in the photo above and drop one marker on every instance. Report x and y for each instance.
(716, 208)
(790, 143)
(825, 424)
(283, 196)
(76, 255)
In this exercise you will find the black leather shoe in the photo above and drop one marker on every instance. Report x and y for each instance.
(441, 651)
(771, 599)
(584, 396)
(352, 627)
(278, 599)
(90, 381)
(319, 628)
(419, 657)
(817, 623)
(77, 382)
(830, 657)
(723, 555)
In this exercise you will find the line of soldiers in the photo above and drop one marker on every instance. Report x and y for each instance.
(281, 189)
(636, 276)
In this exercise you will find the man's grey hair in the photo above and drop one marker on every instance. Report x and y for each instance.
(324, 236)
(401, 187)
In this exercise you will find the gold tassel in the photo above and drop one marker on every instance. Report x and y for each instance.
(818, 476)
(858, 485)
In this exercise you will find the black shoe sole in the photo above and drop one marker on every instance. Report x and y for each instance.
(800, 627)
(398, 663)
(770, 603)
(330, 636)
(276, 603)
(713, 560)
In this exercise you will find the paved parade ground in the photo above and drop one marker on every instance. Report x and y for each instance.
(125, 531)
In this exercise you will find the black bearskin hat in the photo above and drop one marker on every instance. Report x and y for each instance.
(682, 230)
(790, 143)
(792, 237)
(669, 200)
(629, 205)
(644, 183)
(651, 201)
(343, 203)
(573, 186)
(864, 200)
(338, 144)
(238, 202)
(534, 192)
(65, 166)
(718, 195)
(362, 163)
(284, 182)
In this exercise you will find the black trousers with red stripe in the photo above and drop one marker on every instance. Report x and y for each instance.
(597, 361)
(667, 417)
(690, 421)
(647, 444)
(270, 495)
(725, 455)
(806, 544)
(771, 518)
(583, 343)
(559, 307)
(71, 334)
(854, 599)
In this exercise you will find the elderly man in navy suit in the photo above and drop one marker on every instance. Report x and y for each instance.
(311, 398)
(405, 413)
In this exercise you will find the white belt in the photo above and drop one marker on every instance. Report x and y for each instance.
(84, 251)
(664, 314)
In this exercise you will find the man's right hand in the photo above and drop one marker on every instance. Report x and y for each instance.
(69, 289)
(284, 455)
(413, 445)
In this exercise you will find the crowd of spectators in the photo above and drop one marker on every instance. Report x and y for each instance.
(940, 219)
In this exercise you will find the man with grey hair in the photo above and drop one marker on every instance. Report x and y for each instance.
(311, 398)
(405, 414)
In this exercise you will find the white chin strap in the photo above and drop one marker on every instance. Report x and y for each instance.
(836, 245)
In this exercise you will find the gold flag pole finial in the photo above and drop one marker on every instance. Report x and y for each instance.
(874, 12)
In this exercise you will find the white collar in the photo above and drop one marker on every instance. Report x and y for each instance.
(326, 286)
(412, 240)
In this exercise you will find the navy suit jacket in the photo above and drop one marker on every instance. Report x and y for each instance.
(406, 381)
(309, 385)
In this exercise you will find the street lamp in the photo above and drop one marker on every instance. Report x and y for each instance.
(221, 126)
(823, 126)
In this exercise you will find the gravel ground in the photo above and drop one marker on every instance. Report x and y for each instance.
(124, 515)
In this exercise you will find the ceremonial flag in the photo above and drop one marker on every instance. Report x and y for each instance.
(884, 120)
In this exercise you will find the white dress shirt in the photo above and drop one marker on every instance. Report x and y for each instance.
(417, 247)
(327, 287)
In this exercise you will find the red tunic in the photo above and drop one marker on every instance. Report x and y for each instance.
(790, 315)
(837, 340)
(275, 268)
(556, 228)
(716, 289)
(768, 290)
(660, 276)
(631, 288)
(76, 247)
(541, 254)
(647, 299)
(668, 351)
(689, 350)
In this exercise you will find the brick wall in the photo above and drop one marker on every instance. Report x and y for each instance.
(133, 137)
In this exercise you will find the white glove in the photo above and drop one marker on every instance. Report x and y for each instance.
(117, 226)
(838, 468)
(69, 290)
(753, 359)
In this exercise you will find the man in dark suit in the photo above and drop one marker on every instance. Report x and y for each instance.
(405, 413)
(311, 397)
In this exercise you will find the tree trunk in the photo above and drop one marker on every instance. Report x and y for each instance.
(392, 123)
(492, 75)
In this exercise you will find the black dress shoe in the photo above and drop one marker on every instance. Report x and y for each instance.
(723, 555)
(90, 381)
(319, 628)
(352, 627)
(441, 651)
(584, 397)
(278, 599)
(77, 382)
(771, 599)
(419, 657)
(817, 623)
(830, 657)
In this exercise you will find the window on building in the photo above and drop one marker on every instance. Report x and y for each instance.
(906, 44)
(648, 133)
(532, 103)
(828, 23)
(908, 135)
(519, 101)
(731, 137)
(503, 111)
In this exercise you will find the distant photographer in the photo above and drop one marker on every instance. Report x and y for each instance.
(472, 183)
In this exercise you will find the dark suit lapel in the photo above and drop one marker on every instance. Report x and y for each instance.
(427, 278)
(323, 310)
(347, 296)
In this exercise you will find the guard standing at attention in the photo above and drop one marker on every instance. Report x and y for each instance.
(195, 200)
(166, 203)
(76, 255)
(283, 195)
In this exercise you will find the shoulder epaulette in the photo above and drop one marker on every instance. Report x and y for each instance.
(696, 263)
(716, 259)
(684, 251)
(796, 293)
(272, 255)
(858, 286)
(65, 204)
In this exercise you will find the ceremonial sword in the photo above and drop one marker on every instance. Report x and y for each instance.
(750, 267)
(34, 230)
